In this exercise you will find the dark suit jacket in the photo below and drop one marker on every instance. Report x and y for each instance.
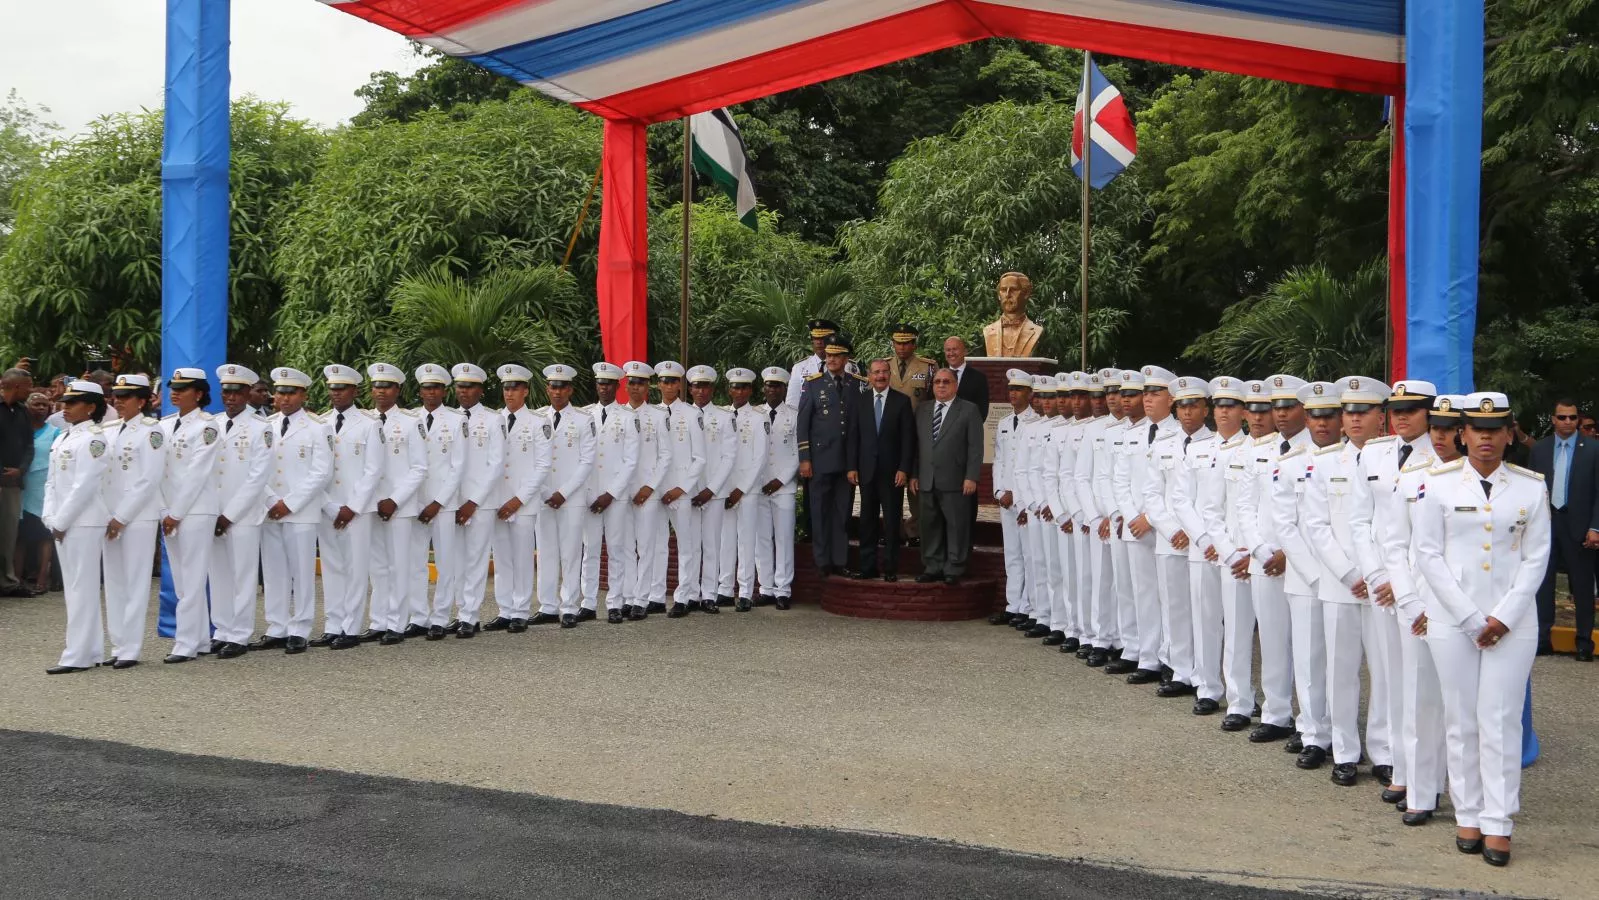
(972, 387)
(957, 455)
(1582, 490)
(879, 454)
(822, 424)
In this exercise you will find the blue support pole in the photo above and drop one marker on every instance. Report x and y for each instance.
(194, 204)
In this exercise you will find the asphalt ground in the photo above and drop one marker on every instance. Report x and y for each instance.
(956, 732)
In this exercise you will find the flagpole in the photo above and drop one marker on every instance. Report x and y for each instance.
(1088, 155)
(688, 205)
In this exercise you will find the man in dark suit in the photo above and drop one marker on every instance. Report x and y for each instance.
(970, 384)
(882, 448)
(826, 408)
(1569, 463)
(949, 458)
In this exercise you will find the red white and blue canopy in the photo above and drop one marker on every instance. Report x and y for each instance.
(653, 60)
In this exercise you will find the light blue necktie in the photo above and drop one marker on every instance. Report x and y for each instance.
(1562, 472)
(879, 412)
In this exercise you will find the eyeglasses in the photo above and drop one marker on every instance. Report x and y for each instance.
(1562, 418)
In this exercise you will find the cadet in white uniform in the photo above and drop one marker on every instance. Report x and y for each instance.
(1220, 489)
(402, 446)
(1006, 478)
(344, 536)
(1123, 511)
(742, 520)
(684, 437)
(1198, 534)
(190, 505)
(1132, 472)
(1036, 518)
(517, 502)
(1096, 469)
(437, 500)
(482, 471)
(76, 514)
(649, 516)
(1065, 625)
(1168, 498)
(133, 495)
(302, 466)
(243, 466)
(609, 522)
(774, 549)
(1482, 542)
(560, 524)
(710, 502)
(1078, 502)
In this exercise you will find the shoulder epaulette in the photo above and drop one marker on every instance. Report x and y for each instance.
(1292, 453)
(926, 360)
(274, 415)
(149, 420)
(813, 376)
(1237, 441)
(407, 412)
(169, 416)
(370, 414)
(1521, 471)
(1323, 451)
(1447, 467)
(205, 416)
(261, 418)
(1423, 464)
(314, 417)
(95, 428)
(1264, 439)
(860, 377)
(1382, 440)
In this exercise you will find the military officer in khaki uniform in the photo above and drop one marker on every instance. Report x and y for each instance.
(912, 376)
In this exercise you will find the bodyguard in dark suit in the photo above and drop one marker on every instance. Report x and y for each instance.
(949, 458)
(970, 384)
(1569, 463)
(882, 449)
(826, 408)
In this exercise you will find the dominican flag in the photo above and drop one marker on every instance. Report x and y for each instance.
(1115, 140)
(719, 155)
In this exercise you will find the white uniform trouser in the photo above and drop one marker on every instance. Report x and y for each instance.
(1102, 597)
(1121, 571)
(1385, 708)
(443, 535)
(129, 565)
(1483, 694)
(1309, 653)
(1141, 569)
(649, 541)
(613, 530)
(189, 553)
(392, 581)
(1063, 575)
(774, 550)
(1274, 623)
(1041, 564)
(1204, 604)
(1176, 617)
(1421, 742)
(80, 553)
(472, 543)
(235, 561)
(740, 528)
(1083, 585)
(1015, 561)
(346, 559)
(288, 574)
(514, 542)
(560, 539)
(708, 523)
(1238, 643)
(685, 524)
(1341, 626)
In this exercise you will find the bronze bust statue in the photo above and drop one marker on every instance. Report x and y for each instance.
(1013, 334)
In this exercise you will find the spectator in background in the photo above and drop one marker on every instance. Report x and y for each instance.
(35, 550)
(261, 398)
(1585, 424)
(16, 455)
(1569, 464)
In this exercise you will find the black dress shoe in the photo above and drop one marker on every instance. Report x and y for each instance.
(1054, 639)
(721, 600)
(1175, 689)
(1311, 757)
(1012, 618)
(1166, 674)
(657, 606)
(267, 642)
(678, 611)
(1070, 645)
(928, 578)
(1500, 858)
(585, 614)
(1098, 658)
(415, 630)
(1025, 623)
(1256, 713)
(1416, 817)
(544, 618)
(1390, 795)
(863, 575)
(744, 604)
(498, 623)
(639, 613)
(1295, 744)
(326, 640)
(1545, 651)
(952, 580)
(468, 630)
(710, 606)
(1143, 676)
(1037, 631)
(1344, 774)
(176, 658)
(1234, 722)
(65, 670)
(1083, 651)
(1383, 774)
(1265, 733)
(615, 617)
(517, 626)
(370, 635)
(295, 644)
(346, 642)
(130, 663)
(452, 626)
(213, 648)
(891, 577)
(569, 620)
(913, 542)
(390, 638)
(1579, 656)
(1468, 845)
(1205, 706)
(228, 650)
(999, 618)
(435, 633)
(783, 602)
(1120, 667)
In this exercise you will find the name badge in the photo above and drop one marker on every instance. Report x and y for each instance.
(1465, 509)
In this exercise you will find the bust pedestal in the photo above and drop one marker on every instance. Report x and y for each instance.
(994, 368)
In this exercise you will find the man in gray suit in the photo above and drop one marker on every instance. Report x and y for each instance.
(949, 447)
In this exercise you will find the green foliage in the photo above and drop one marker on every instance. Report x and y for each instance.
(25, 134)
(497, 188)
(769, 324)
(446, 84)
(81, 273)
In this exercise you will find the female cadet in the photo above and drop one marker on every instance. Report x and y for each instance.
(1481, 543)
(189, 490)
(132, 488)
(76, 514)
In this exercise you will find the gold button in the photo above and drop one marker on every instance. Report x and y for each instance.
(1488, 527)
(1487, 508)
(1486, 567)
(1487, 546)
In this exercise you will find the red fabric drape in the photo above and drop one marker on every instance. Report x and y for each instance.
(1396, 245)
(624, 244)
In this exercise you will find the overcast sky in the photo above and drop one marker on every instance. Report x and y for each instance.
(86, 58)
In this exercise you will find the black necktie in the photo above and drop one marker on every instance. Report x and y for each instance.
(1284, 448)
(225, 430)
(510, 422)
(285, 429)
(1152, 429)
(773, 419)
(557, 418)
(839, 380)
(902, 365)
(1185, 444)
(1404, 454)
(603, 414)
(468, 413)
(430, 421)
(1487, 489)
(383, 417)
(125, 427)
(338, 424)
(1015, 421)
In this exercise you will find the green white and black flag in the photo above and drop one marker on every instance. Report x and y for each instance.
(719, 155)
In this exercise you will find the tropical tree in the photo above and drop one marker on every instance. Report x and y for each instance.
(25, 133)
(1309, 323)
(769, 323)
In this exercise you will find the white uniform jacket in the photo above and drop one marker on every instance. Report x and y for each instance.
(571, 443)
(1376, 500)
(1169, 492)
(1396, 535)
(1324, 518)
(782, 447)
(685, 441)
(74, 489)
(483, 463)
(654, 456)
(188, 482)
(749, 452)
(445, 446)
(302, 466)
(1303, 575)
(616, 448)
(357, 462)
(402, 444)
(1007, 451)
(136, 469)
(721, 447)
(243, 466)
(524, 460)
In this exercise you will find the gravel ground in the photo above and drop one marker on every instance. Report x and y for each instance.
(954, 731)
